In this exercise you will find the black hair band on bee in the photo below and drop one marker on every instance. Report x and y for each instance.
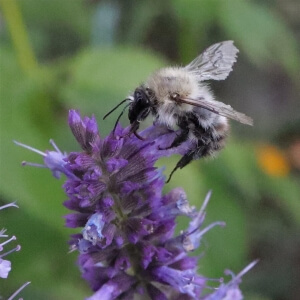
(111, 111)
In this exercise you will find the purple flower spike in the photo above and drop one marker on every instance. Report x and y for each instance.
(127, 243)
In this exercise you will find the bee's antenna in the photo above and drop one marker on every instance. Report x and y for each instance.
(127, 99)
(120, 115)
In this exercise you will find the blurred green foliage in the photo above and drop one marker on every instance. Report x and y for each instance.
(56, 55)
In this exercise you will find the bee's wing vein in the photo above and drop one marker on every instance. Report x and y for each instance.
(215, 62)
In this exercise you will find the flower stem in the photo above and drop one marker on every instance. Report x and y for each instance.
(19, 36)
(18, 290)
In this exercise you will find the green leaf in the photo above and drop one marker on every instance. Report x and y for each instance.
(142, 13)
(26, 115)
(44, 259)
(237, 163)
(285, 193)
(22, 119)
(227, 246)
(56, 27)
(194, 20)
(223, 247)
(100, 78)
(263, 36)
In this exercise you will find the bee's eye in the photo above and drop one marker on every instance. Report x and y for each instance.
(138, 96)
(141, 98)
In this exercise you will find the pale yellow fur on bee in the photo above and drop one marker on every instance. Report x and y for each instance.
(176, 80)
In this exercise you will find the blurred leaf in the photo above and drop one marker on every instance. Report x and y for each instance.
(285, 192)
(238, 166)
(143, 14)
(223, 247)
(228, 248)
(195, 19)
(51, 269)
(26, 117)
(262, 34)
(56, 27)
(100, 78)
(255, 296)
(104, 23)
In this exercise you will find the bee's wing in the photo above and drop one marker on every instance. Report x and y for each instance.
(215, 62)
(219, 108)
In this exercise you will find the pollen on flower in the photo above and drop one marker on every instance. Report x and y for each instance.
(93, 229)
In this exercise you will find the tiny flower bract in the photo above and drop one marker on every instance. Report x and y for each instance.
(5, 265)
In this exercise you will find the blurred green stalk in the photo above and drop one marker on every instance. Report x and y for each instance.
(13, 16)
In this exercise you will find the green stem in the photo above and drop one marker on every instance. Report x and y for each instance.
(16, 26)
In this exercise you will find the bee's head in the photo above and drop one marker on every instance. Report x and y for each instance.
(140, 106)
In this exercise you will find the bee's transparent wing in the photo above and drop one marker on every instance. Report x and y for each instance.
(215, 62)
(219, 108)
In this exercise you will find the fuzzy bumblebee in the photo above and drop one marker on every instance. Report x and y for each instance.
(178, 98)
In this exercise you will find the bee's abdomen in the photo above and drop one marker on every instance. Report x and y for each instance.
(210, 140)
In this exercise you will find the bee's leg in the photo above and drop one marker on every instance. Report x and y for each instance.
(138, 136)
(185, 160)
(136, 124)
(182, 136)
(133, 129)
(179, 139)
(139, 119)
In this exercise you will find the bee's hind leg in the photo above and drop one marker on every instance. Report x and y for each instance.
(183, 124)
(185, 160)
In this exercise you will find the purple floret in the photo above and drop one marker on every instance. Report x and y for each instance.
(5, 265)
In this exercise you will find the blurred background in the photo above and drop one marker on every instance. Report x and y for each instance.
(56, 55)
